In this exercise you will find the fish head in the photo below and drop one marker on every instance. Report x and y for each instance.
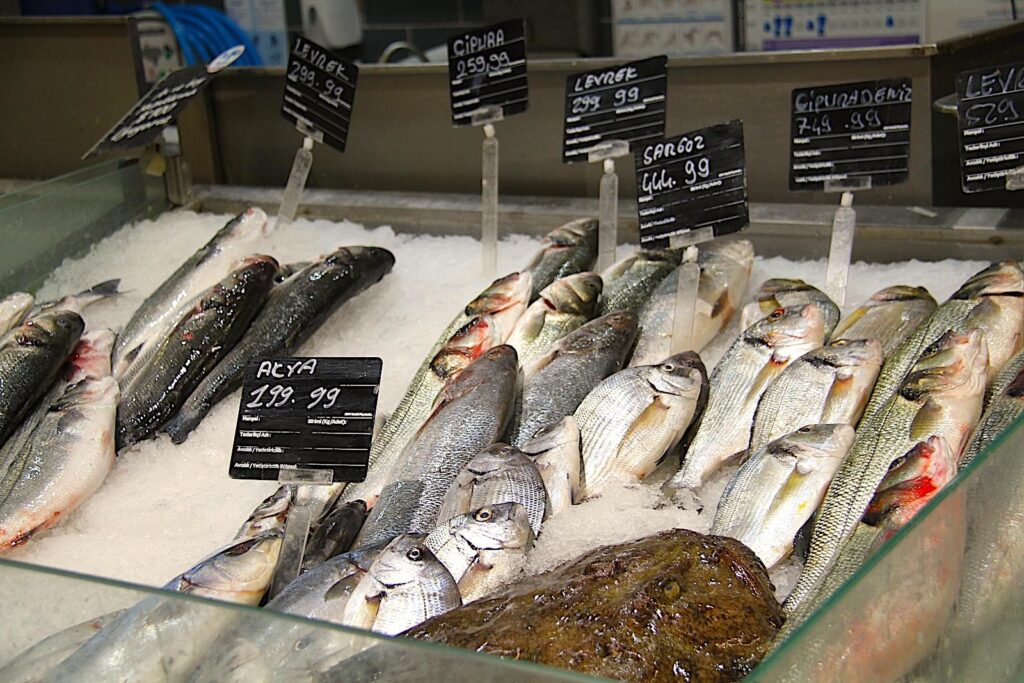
(55, 326)
(269, 514)
(854, 353)
(405, 560)
(578, 232)
(251, 224)
(956, 363)
(576, 294)
(505, 526)
(372, 257)
(913, 479)
(901, 293)
(562, 434)
(683, 373)
(509, 292)
(794, 326)
(240, 573)
(90, 358)
(466, 345)
(497, 364)
(1004, 278)
(612, 330)
(813, 445)
(496, 457)
(773, 291)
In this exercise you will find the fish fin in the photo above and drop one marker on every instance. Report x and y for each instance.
(103, 289)
(645, 424)
(847, 322)
(768, 373)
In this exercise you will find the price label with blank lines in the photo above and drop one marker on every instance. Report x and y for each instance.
(990, 114)
(319, 91)
(851, 136)
(306, 413)
(487, 68)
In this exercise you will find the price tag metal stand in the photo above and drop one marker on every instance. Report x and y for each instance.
(296, 184)
(297, 523)
(608, 202)
(687, 288)
(844, 225)
(487, 117)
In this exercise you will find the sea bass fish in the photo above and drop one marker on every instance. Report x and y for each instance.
(753, 362)
(334, 534)
(563, 306)
(829, 385)
(629, 283)
(13, 309)
(633, 418)
(33, 664)
(941, 396)
(199, 339)
(472, 412)
(293, 311)
(78, 302)
(208, 265)
(889, 316)
(1002, 413)
(783, 293)
(568, 249)
(555, 450)
(484, 549)
(724, 274)
(779, 487)
(485, 323)
(499, 474)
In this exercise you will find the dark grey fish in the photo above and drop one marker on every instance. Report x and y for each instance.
(334, 534)
(568, 249)
(294, 310)
(629, 283)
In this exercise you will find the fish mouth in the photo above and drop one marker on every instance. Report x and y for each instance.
(575, 294)
(469, 343)
(856, 352)
(946, 365)
(1004, 278)
(504, 293)
(573, 233)
(912, 480)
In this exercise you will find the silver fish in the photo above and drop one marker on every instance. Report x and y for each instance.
(829, 385)
(889, 316)
(941, 397)
(334, 534)
(724, 274)
(633, 418)
(78, 302)
(629, 283)
(563, 306)
(13, 309)
(568, 249)
(472, 412)
(1007, 375)
(484, 549)
(485, 323)
(405, 586)
(784, 293)
(555, 450)
(33, 664)
(556, 383)
(270, 514)
(208, 265)
(499, 474)
(778, 489)
(753, 362)
(1002, 413)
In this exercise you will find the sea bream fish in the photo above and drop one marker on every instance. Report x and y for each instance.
(201, 336)
(889, 316)
(631, 420)
(724, 274)
(13, 309)
(499, 474)
(563, 306)
(293, 311)
(779, 487)
(783, 293)
(829, 385)
(555, 451)
(555, 383)
(483, 324)
(205, 267)
(941, 396)
(569, 248)
(628, 283)
(739, 380)
(472, 412)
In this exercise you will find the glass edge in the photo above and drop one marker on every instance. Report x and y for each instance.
(46, 187)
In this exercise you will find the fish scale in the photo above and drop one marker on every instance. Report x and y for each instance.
(629, 283)
(1002, 412)
(567, 249)
(889, 316)
(556, 453)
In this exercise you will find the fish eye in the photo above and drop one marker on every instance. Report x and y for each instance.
(806, 429)
(776, 314)
(64, 322)
(840, 342)
(415, 554)
(668, 367)
(484, 515)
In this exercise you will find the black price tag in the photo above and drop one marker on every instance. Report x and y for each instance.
(852, 136)
(319, 89)
(991, 117)
(306, 413)
(691, 181)
(624, 102)
(487, 71)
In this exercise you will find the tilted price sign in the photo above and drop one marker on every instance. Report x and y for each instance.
(852, 136)
(691, 181)
(487, 72)
(306, 413)
(161, 105)
(319, 90)
(624, 103)
(991, 121)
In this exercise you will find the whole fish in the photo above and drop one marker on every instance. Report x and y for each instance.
(33, 664)
(162, 639)
(208, 265)
(334, 534)
(485, 323)
(405, 586)
(563, 306)
(499, 474)
(13, 309)
(484, 549)
(783, 293)
(472, 412)
(631, 420)
(889, 316)
(31, 357)
(999, 287)
(201, 337)
(568, 249)
(724, 274)
(1002, 412)
(555, 450)
(629, 283)
(829, 385)
(293, 311)
(1011, 369)
(63, 461)
(941, 396)
(78, 302)
(753, 362)
(778, 489)
(555, 383)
